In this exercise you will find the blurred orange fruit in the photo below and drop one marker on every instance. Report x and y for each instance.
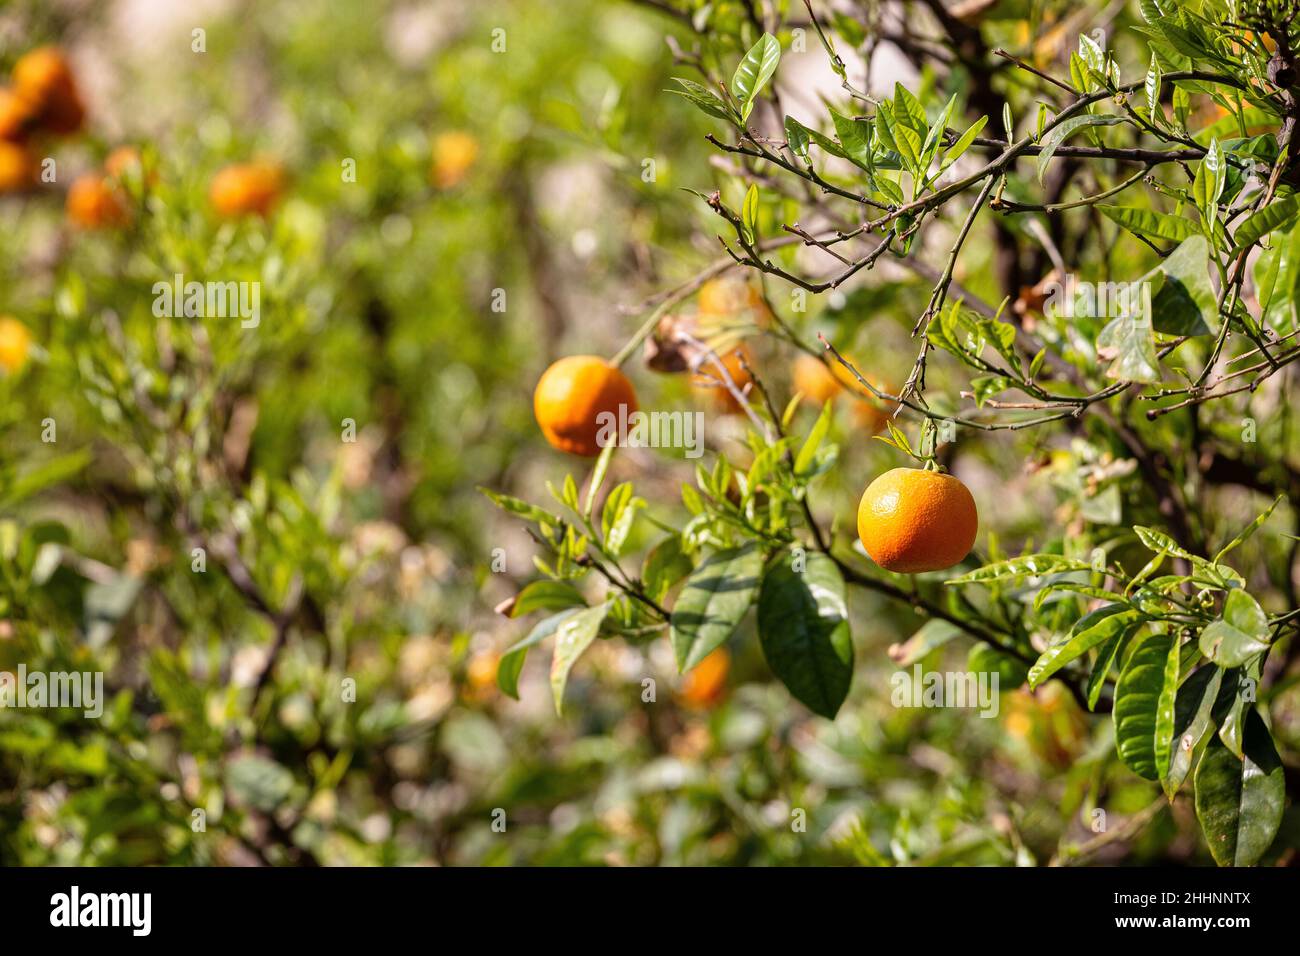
(572, 394)
(911, 520)
(17, 168)
(15, 344)
(454, 153)
(481, 673)
(17, 115)
(705, 684)
(709, 383)
(246, 189)
(96, 203)
(124, 158)
(732, 297)
(820, 384)
(44, 77)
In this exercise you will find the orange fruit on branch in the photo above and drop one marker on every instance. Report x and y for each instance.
(570, 398)
(246, 189)
(44, 77)
(911, 520)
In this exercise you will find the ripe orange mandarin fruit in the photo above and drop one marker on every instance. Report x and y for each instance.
(705, 684)
(454, 153)
(246, 188)
(709, 383)
(44, 77)
(17, 168)
(570, 397)
(17, 115)
(15, 343)
(911, 520)
(96, 203)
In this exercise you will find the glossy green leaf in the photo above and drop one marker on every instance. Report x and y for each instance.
(546, 595)
(1279, 213)
(715, 598)
(1239, 635)
(573, 636)
(1149, 223)
(1140, 699)
(1239, 802)
(1192, 719)
(804, 631)
(754, 71)
(1091, 630)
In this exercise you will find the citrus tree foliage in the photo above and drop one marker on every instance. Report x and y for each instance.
(1158, 152)
(320, 642)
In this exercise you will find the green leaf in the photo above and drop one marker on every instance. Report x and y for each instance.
(618, 516)
(703, 97)
(803, 463)
(1053, 140)
(665, 565)
(1192, 713)
(1098, 627)
(797, 138)
(1211, 176)
(1129, 343)
(1165, 708)
(1277, 214)
(715, 598)
(1239, 635)
(573, 636)
(855, 138)
(1156, 541)
(1155, 111)
(597, 477)
(1240, 802)
(517, 506)
(546, 596)
(908, 111)
(512, 661)
(1101, 668)
(754, 71)
(1032, 565)
(963, 143)
(1183, 301)
(749, 213)
(1149, 223)
(804, 631)
(1276, 273)
(1140, 699)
